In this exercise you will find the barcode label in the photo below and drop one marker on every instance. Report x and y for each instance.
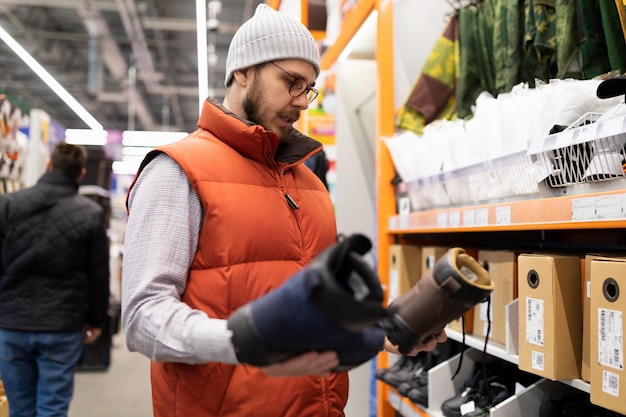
(534, 321)
(484, 312)
(394, 284)
(610, 383)
(537, 361)
(610, 338)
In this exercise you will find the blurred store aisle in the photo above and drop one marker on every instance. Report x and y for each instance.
(123, 390)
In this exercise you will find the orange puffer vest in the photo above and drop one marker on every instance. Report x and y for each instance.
(266, 215)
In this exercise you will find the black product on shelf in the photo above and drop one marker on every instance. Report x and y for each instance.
(99, 168)
(417, 389)
(403, 370)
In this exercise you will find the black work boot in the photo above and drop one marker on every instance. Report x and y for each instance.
(456, 284)
(408, 368)
(334, 303)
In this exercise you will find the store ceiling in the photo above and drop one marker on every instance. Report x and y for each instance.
(91, 47)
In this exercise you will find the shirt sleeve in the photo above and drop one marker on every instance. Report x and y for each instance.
(160, 242)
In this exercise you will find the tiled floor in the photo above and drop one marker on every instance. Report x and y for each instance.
(123, 390)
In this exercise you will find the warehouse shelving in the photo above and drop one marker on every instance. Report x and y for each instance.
(578, 222)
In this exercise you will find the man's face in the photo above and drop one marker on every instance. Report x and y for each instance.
(268, 102)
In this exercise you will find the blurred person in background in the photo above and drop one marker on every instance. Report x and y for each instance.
(54, 285)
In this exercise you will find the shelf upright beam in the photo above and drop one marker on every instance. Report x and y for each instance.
(385, 207)
(621, 10)
(274, 4)
(352, 22)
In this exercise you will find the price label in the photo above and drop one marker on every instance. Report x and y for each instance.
(404, 210)
(503, 215)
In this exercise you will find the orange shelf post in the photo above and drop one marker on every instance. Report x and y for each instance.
(385, 207)
(352, 21)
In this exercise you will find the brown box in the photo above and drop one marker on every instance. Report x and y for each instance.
(608, 304)
(404, 268)
(430, 256)
(585, 370)
(550, 315)
(502, 270)
(4, 407)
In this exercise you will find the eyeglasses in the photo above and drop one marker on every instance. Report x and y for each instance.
(298, 86)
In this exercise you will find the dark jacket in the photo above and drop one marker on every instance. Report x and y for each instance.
(55, 258)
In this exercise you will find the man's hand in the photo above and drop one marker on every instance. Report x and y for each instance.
(430, 345)
(310, 363)
(91, 334)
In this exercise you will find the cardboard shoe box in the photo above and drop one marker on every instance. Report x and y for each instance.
(405, 269)
(608, 305)
(502, 266)
(585, 370)
(4, 406)
(550, 315)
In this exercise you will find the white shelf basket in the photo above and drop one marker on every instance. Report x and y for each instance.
(500, 179)
(588, 156)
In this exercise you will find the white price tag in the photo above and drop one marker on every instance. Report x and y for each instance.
(469, 218)
(404, 210)
(482, 217)
(442, 219)
(584, 208)
(503, 215)
(609, 207)
(455, 219)
(394, 284)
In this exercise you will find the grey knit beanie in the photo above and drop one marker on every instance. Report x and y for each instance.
(267, 36)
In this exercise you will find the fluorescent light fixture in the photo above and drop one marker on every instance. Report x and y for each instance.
(50, 81)
(135, 151)
(371, 20)
(150, 138)
(203, 62)
(86, 136)
(126, 167)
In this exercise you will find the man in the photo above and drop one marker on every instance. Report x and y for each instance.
(54, 285)
(223, 217)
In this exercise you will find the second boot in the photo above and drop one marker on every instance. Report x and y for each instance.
(456, 284)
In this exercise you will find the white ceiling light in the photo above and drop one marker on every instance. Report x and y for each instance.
(86, 136)
(150, 139)
(203, 64)
(126, 167)
(50, 81)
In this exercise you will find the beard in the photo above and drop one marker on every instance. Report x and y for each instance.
(252, 105)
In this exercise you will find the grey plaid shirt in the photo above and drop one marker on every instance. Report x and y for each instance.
(160, 243)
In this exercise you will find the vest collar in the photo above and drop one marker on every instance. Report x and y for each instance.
(252, 140)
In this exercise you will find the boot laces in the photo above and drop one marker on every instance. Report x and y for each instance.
(463, 345)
